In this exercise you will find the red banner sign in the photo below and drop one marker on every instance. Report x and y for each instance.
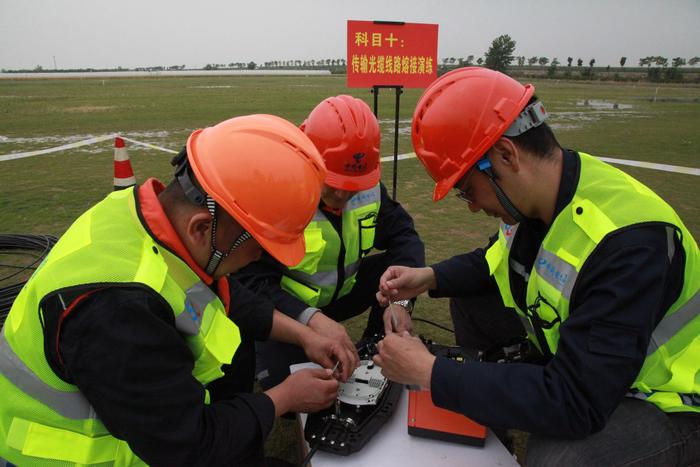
(394, 54)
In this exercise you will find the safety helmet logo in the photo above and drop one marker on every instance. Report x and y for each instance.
(346, 133)
(358, 166)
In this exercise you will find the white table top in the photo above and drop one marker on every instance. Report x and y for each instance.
(392, 445)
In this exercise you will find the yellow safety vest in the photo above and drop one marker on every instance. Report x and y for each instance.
(605, 201)
(45, 421)
(316, 280)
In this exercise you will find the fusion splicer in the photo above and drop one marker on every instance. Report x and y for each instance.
(428, 421)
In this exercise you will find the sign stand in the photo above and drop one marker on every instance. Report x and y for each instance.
(393, 55)
(399, 91)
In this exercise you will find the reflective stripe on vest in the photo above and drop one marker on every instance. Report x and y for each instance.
(508, 231)
(691, 400)
(69, 404)
(324, 279)
(318, 278)
(670, 325)
(494, 257)
(364, 198)
(519, 269)
(562, 275)
(47, 420)
(556, 271)
(672, 366)
(198, 297)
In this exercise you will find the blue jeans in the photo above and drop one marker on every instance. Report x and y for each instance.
(637, 434)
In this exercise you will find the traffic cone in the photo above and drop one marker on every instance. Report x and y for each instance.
(123, 173)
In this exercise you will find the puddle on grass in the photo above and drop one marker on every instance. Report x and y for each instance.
(390, 121)
(386, 125)
(89, 109)
(683, 100)
(557, 120)
(597, 104)
(227, 86)
(566, 120)
(563, 126)
(592, 110)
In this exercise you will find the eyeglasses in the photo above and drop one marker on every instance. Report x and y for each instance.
(462, 187)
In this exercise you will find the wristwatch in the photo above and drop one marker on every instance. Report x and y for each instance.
(407, 304)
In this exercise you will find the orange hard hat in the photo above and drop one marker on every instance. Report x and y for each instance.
(265, 173)
(459, 117)
(346, 133)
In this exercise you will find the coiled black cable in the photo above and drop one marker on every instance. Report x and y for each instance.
(36, 247)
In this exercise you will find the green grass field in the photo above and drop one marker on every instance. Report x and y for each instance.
(43, 194)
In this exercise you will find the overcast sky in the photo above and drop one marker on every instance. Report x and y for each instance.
(139, 33)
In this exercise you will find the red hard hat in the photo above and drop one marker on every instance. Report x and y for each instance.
(265, 173)
(346, 133)
(459, 117)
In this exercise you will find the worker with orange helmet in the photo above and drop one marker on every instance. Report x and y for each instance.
(130, 346)
(338, 277)
(600, 271)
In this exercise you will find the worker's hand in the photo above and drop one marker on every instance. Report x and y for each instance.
(402, 282)
(404, 359)
(335, 331)
(308, 390)
(402, 319)
(326, 352)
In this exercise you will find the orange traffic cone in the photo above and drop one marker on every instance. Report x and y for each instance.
(123, 173)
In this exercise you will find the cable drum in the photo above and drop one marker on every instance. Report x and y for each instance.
(20, 254)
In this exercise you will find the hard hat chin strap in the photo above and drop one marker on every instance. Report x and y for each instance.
(532, 116)
(200, 198)
(217, 255)
(183, 177)
(484, 165)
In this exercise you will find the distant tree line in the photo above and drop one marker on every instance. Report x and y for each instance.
(335, 65)
(500, 56)
(40, 69)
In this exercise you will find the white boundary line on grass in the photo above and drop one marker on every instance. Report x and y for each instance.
(148, 145)
(651, 165)
(646, 165)
(77, 144)
(410, 155)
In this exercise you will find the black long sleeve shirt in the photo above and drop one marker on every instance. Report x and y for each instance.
(624, 290)
(121, 348)
(394, 234)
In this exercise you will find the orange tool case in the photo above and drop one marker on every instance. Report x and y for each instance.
(429, 421)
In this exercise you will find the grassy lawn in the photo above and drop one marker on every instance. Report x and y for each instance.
(43, 194)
